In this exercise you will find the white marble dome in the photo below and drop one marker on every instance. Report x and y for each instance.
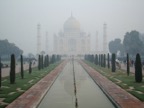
(71, 24)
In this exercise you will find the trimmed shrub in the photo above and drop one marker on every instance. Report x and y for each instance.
(113, 63)
(138, 69)
(12, 69)
(22, 72)
(108, 61)
(30, 67)
(128, 68)
(104, 59)
(42, 63)
(99, 59)
(53, 59)
(96, 60)
(39, 62)
(0, 72)
(47, 60)
(92, 58)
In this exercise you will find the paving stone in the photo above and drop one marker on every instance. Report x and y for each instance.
(32, 97)
(120, 96)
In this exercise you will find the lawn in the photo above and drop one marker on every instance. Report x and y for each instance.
(10, 92)
(120, 78)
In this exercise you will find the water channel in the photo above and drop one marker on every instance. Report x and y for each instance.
(74, 88)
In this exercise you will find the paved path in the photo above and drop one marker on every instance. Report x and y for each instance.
(32, 97)
(6, 71)
(117, 94)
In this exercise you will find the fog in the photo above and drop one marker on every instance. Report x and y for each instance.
(19, 19)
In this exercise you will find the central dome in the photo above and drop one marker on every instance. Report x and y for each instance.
(71, 24)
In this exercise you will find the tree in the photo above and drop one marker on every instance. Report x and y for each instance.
(53, 59)
(30, 67)
(138, 69)
(6, 49)
(22, 73)
(115, 46)
(39, 62)
(113, 63)
(96, 59)
(92, 58)
(104, 64)
(0, 72)
(128, 68)
(42, 64)
(47, 60)
(132, 43)
(12, 69)
(99, 59)
(31, 56)
(108, 61)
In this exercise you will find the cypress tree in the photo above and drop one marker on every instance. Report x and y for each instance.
(47, 60)
(42, 64)
(99, 60)
(30, 68)
(95, 60)
(138, 69)
(57, 57)
(0, 72)
(113, 63)
(53, 59)
(104, 58)
(108, 61)
(22, 73)
(92, 58)
(12, 69)
(128, 68)
(39, 62)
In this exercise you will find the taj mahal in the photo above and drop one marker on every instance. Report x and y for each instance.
(72, 41)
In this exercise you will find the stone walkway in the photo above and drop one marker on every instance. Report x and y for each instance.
(119, 96)
(32, 97)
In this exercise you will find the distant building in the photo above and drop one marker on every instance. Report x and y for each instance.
(71, 41)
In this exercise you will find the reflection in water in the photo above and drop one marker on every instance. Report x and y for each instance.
(66, 79)
(61, 94)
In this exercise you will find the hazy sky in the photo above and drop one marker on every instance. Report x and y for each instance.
(19, 19)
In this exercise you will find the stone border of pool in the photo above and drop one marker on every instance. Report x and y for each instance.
(120, 97)
(32, 97)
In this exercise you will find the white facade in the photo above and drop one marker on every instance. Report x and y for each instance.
(71, 41)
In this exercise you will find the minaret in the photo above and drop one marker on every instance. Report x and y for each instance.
(97, 47)
(104, 38)
(38, 39)
(46, 43)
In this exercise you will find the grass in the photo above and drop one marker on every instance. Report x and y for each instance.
(121, 79)
(10, 92)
